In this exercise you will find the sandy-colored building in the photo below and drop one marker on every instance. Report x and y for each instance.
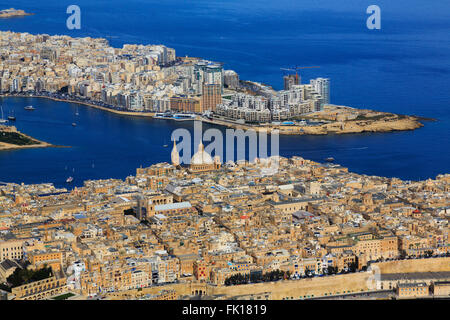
(441, 288)
(412, 290)
(11, 249)
(41, 289)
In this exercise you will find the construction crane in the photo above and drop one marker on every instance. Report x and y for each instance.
(296, 68)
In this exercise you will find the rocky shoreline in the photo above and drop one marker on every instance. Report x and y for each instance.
(346, 121)
(11, 13)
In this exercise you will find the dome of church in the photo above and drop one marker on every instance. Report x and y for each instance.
(201, 156)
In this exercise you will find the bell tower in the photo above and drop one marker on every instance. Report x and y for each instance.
(217, 162)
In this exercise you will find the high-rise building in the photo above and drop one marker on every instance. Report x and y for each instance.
(211, 97)
(322, 87)
(291, 80)
(206, 72)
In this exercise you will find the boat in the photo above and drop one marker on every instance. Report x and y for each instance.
(163, 116)
(165, 146)
(1, 119)
(12, 117)
(74, 124)
(183, 116)
(69, 179)
(29, 108)
(329, 159)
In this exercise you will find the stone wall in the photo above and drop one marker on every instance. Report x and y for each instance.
(297, 289)
(415, 265)
(304, 288)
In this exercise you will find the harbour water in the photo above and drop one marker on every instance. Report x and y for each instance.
(402, 68)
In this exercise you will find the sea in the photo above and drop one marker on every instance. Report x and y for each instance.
(404, 68)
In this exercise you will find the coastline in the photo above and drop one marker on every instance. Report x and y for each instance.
(14, 13)
(329, 129)
(39, 144)
(8, 146)
(125, 113)
(401, 123)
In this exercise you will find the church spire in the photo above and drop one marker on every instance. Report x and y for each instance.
(200, 146)
(175, 156)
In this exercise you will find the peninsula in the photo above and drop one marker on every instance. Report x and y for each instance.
(11, 138)
(334, 120)
(150, 80)
(11, 12)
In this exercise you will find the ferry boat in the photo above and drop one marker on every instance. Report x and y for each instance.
(163, 116)
(29, 108)
(184, 116)
(69, 179)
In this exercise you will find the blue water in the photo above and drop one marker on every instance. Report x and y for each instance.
(402, 68)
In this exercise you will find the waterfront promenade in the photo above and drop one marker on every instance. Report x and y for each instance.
(387, 122)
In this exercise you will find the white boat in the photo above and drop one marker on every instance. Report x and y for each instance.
(74, 124)
(1, 119)
(29, 108)
(163, 116)
(69, 179)
(11, 116)
(184, 116)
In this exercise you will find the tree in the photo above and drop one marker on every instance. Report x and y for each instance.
(332, 270)
(274, 275)
(352, 267)
(24, 276)
(256, 277)
(308, 273)
(5, 287)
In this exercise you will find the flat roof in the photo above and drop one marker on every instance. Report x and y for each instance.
(415, 276)
(173, 206)
(408, 285)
